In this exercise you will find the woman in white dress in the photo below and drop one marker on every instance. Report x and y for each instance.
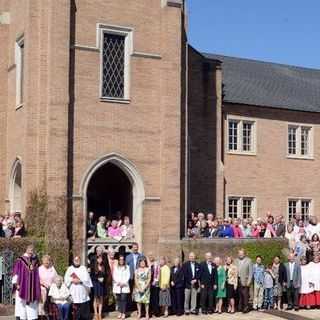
(121, 288)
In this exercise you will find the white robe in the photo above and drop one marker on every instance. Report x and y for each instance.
(315, 275)
(79, 292)
(307, 284)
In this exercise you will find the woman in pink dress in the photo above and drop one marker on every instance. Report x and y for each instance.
(114, 231)
(47, 275)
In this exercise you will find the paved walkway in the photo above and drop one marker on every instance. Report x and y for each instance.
(301, 315)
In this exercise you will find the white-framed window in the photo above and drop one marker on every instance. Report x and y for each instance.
(115, 51)
(241, 135)
(19, 61)
(241, 207)
(300, 141)
(299, 207)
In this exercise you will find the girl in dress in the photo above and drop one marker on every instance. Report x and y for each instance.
(307, 297)
(121, 288)
(221, 286)
(47, 275)
(164, 285)
(99, 279)
(231, 283)
(141, 291)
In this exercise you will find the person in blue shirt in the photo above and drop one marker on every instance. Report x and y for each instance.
(226, 230)
(258, 282)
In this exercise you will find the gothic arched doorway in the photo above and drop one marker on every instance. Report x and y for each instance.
(112, 183)
(109, 192)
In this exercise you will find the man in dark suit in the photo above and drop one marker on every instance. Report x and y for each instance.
(293, 283)
(208, 283)
(191, 274)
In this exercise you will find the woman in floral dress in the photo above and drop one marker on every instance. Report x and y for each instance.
(141, 292)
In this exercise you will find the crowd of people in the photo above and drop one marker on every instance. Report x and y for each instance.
(154, 288)
(12, 226)
(202, 225)
(119, 228)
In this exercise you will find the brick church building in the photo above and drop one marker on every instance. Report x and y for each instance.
(104, 104)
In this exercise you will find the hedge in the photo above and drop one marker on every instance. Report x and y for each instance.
(267, 248)
(57, 249)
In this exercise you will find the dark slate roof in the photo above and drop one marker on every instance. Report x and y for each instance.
(268, 84)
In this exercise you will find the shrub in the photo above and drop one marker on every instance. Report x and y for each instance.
(266, 249)
(36, 213)
(57, 249)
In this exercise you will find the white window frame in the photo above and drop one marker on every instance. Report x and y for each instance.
(240, 120)
(298, 154)
(299, 207)
(240, 205)
(20, 71)
(128, 34)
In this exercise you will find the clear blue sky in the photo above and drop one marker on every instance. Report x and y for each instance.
(284, 31)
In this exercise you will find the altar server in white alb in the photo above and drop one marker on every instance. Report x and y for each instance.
(315, 278)
(26, 285)
(307, 297)
(78, 281)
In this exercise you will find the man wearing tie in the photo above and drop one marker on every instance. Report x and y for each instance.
(191, 273)
(208, 283)
(293, 282)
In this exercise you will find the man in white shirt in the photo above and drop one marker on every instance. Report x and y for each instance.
(78, 281)
(191, 272)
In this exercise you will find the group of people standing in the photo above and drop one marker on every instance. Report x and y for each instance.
(153, 288)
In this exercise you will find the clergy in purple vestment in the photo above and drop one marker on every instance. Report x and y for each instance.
(27, 285)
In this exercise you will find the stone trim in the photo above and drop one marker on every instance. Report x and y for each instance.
(85, 48)
(152, 199)
(146, 55)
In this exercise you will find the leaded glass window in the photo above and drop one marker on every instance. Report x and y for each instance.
(113, 66)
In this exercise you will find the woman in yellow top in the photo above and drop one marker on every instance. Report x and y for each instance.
(164, 284)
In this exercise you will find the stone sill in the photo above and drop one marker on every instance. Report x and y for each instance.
(122, 101)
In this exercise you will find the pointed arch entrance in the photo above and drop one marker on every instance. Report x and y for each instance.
(111, 184)
(16, 187)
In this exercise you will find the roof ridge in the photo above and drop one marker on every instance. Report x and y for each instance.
(208, 54)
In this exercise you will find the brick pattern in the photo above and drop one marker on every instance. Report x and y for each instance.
(146, 131)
